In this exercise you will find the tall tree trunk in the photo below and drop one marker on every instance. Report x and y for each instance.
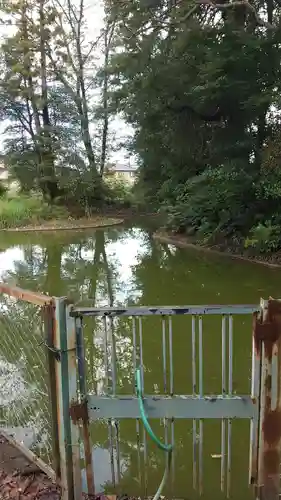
(262, 124)
(83, 97)
(48, 181)
(53, 282)
(105, 106)
(30, 98)
(108, 35)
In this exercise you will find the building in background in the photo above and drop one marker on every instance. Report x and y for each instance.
(125, 173)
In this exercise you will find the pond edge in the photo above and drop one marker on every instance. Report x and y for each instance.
(78, 227)
(185, 242)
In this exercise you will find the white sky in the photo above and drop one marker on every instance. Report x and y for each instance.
(121, 130)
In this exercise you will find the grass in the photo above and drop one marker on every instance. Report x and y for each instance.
(20, 211)
(31, 213)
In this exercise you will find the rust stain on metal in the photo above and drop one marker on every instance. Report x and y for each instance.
(79, 411)
(268, 329)
(48, 313)
(267, 334)
(26, 295)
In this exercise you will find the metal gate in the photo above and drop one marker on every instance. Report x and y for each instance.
(66, 334)
(262, 406)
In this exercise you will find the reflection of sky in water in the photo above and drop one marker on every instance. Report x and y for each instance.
(12, 385)
(122, 255)
(8, 259)
(103, 469)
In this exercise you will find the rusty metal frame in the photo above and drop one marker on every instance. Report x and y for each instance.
(265, 464)
(84, 417)
(60, 340)
(72, 405)
(32, 297)
(66, 383)
(48, 312)
(165, 310)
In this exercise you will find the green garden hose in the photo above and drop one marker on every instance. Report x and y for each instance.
(168, 448)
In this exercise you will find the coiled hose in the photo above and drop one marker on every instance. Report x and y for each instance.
(168, 448)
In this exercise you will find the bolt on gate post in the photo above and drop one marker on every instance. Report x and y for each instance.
(266, 390)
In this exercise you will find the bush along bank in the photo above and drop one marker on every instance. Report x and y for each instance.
(235, 247)
(23, 213)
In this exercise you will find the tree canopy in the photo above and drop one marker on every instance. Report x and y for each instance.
(200, 83)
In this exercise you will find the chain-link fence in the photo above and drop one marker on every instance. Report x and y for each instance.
(25, 411)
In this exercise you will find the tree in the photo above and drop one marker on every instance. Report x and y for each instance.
(70, 59)
(198, 83)
(24, 88)
(108, 37)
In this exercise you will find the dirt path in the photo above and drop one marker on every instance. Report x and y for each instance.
(32, 487)
(22, 480)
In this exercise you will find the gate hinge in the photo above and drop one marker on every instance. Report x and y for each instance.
(79, 411)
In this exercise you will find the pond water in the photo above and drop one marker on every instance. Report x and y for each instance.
(125, 266)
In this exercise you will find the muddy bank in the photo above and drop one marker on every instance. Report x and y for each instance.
(224, 249)
(69, 224)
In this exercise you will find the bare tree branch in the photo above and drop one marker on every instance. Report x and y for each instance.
(231, 5)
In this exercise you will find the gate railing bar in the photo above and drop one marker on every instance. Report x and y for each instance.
(135, 359)
(194, 391)
(200, 332)
(161, 406)
(166, 310)
(223, 388)
(165, 382)
(255, 392)
(171, 392)
(143, 429)
(230, 377)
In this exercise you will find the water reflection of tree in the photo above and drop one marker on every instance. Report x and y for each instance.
(83, 269)
(79, 268)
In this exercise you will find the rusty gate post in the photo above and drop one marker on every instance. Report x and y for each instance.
(73, 399)
(65, 347)
(267, 337)
(79, 412)
(49, 329)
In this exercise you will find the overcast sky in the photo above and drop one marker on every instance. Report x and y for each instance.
(94, 15)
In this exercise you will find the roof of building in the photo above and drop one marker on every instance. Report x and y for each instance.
(124, 168)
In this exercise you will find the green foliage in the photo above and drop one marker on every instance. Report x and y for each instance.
(200, 95)
(48, 96)
(119, 193)
(3, 190)
(202, 205)
(83, 189)
(264, 238)
(27, 210)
